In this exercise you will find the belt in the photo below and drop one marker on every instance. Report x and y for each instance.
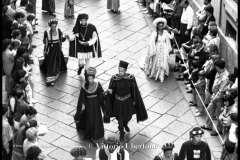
(122, 98)
(92, 96)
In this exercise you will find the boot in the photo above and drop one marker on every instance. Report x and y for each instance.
(85, 74)
(126, 128)
(80, 70)
(122, 133)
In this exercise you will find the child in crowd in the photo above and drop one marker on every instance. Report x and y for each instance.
(194, 78)
(31, 139)
(29, 26)
(200, 86)
(15, 44)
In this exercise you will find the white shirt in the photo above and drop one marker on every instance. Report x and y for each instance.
(187, 17)
(215, 41)
(29, 27)
(112, 156)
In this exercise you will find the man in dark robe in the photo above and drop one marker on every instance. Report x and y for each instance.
(86, 44)
(124, 100)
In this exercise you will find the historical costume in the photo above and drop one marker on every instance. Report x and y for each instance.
(69, 8)
(124, 100)
(112, 151)
(86, 44)
(167, 153)
(88, 117)
(49, 6)
(195, 148)
(113, 5)
(53, 62)
(157, 60)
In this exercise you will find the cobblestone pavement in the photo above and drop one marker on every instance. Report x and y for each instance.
(123, 37)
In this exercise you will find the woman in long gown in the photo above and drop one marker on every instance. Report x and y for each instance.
(113, 5)
(49, 6)
(88, 117)
(53, 62)
(157, 60)
(69, 8)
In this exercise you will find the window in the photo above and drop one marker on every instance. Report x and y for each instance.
(230, 31)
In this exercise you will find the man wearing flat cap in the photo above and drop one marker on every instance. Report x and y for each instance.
(195, 148)
(85, 45)
(124, 100)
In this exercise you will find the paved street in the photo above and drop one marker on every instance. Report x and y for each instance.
(123, 37)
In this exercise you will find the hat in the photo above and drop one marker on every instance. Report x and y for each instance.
(196, 131)
(83, 16)
(157, 20)
(91, 71)
(168, 146)
(111, 142)
(78, 151)
(52, 21)
(123, 64)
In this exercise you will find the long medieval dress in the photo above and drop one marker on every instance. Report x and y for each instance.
(48, 5)
(53, 62)
(69, 8)
(157, 60)
(85, 34)
(113, 4)
(121, 102)
(90, 120)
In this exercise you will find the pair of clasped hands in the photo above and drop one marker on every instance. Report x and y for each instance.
(81, 42)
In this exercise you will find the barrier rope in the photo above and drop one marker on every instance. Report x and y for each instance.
(200, 97)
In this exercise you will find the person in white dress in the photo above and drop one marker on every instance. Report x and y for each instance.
(157, 60)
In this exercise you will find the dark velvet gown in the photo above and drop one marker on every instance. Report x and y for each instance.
(90, 120)
(53, 62)
(48, 5)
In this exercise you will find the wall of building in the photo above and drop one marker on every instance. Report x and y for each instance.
(228, 47)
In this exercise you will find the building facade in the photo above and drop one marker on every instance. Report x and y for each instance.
(226, 14)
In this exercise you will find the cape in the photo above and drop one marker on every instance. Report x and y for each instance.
(141, 112)
(75, 45)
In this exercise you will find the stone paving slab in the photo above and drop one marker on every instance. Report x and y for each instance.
(123, 37)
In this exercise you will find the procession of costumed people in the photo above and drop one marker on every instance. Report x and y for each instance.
(197, 59)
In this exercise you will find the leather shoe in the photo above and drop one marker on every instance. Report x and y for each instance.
(189, 91)
(192, 104)
(126, 128)
(122, 136)
(180, 79)
(214, 133)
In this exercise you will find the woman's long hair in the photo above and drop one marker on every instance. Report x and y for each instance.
(86, 85)
(157, 31)
(18, 65)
